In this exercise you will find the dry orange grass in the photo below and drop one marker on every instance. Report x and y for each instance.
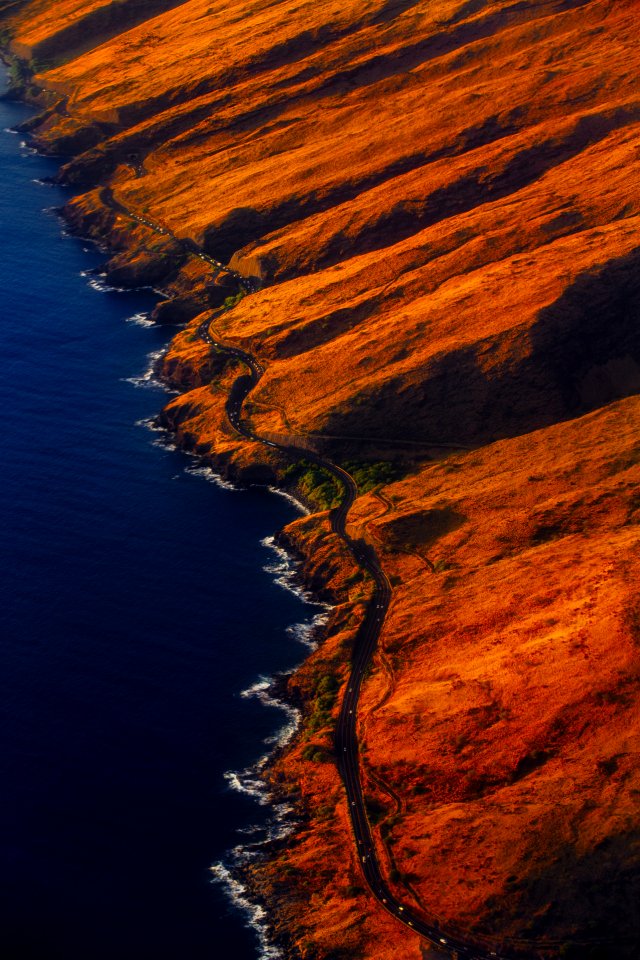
(443, 201)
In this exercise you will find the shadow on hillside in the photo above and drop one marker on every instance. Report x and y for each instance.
(582, 352)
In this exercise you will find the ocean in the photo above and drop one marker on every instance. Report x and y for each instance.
(140, 599)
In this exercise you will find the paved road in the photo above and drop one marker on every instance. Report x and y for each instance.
(346, 742)
(248, 284)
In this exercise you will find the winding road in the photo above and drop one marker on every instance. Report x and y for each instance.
(346, 741)
(456, 945)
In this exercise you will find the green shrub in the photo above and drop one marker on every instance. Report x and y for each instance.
(328, 684)
(369, 475)
(315, 483)
(18, 74)
(326, 694)
(315, 753)
(233, 300)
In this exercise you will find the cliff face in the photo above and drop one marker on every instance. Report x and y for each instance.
(442, 203)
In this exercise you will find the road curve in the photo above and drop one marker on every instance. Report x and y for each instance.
(345, 737)
(346, 742)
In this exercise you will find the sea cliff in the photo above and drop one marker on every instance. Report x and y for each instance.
(436, 212)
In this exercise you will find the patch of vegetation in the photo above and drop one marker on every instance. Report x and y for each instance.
(315, 753)
(41, 66)
(19, 75)
(387, 827)
(328, 685)
(632, 621)
(314, 483)
(326, 694)
(352, 579)
(233, 300)
(372, 474)
(546, 533)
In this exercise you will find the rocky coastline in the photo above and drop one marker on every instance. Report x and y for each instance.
(447, 305)
(127, 268)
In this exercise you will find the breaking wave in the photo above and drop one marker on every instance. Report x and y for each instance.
(255, 915)
(307, 633)
(283, 570)
(209, 474)
(286, 573)
(300, 507)
(163, 438)
(149, 377)
(141, 320)
(262, 690)
(98, 283)
(97, 279)
(280, 824)
(252, 782)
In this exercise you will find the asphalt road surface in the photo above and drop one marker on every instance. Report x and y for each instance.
(346, 741)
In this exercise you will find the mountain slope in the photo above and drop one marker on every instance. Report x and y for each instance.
(441, 202)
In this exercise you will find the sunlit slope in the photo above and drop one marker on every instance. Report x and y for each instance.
(442, 203)
(45, 33)
(451, 173)
(508, 721)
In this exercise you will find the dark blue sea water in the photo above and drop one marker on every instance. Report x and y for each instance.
(135, 609)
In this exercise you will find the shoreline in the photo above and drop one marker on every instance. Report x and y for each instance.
(286, 570)
(233, 873)
(361, 558)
